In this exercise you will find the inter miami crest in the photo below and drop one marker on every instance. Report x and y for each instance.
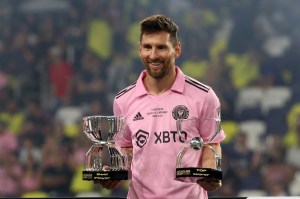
(180, 112)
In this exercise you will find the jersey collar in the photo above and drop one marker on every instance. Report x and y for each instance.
(178, 85)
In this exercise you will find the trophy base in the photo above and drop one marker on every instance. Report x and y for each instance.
(192, 174)
(106, 175)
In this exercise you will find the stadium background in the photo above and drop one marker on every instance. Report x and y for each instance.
(64, 59)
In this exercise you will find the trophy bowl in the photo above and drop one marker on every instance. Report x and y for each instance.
(104, 131)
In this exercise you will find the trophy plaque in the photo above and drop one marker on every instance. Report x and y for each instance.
(186, 169)
(104, 131)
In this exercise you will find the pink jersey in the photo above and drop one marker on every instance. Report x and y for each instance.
(153, 134)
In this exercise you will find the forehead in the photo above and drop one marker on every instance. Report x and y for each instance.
(156, 37)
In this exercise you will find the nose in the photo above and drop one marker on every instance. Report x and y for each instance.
(153, 53)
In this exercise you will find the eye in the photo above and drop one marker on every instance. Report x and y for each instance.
(147, 47)
(161, 47)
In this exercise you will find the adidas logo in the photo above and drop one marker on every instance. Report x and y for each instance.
(138, 116)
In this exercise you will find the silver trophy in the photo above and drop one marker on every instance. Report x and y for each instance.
(186, 168)
(104, 131)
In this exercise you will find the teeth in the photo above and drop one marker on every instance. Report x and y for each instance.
(156, 64)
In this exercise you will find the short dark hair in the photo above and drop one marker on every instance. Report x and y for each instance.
(157, 23)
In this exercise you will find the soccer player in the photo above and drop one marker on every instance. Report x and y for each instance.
(161, 95)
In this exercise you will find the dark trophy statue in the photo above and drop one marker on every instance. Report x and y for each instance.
(185, 170)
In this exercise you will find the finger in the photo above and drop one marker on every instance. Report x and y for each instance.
(111, 184)
(209, 185)
(209, 179)
(105, 168)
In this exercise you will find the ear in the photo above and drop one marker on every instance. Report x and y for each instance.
(177, 50)
(140, 48)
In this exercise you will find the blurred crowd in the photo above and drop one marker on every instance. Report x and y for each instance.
(62, 60)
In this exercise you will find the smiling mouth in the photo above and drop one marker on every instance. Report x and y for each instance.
(155, 63)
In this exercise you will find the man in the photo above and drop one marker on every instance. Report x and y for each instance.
(161, 95)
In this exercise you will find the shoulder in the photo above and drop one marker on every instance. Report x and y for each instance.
(124, 99)
(196, 85)
(201, 91)
(124, 93)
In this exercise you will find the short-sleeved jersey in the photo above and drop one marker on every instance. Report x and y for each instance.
(152, 132)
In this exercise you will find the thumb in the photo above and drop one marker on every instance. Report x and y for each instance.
(105, 168)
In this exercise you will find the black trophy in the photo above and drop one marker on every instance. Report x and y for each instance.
(186, 170)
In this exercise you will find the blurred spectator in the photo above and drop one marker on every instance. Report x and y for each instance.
(57, 139)
(31, 176)
(56, 174)
(23, 62)
(277, 174)
(3, 85)
(36, 114)
(76, 161)
(101, 46)
(274, 151)
(96, 107)
(244, 68)
(13, 116)
(292, 144)
(230, 180)
(244, 163)
(29, 152)
(119, 69)
(8, 141)
(67, 117)
(277, 178)
(30, 131)
(55, 169)
(10, 175)
(243, 36)
(195, 66)
(79, 148)
(90, 79)
(292, 138)
(61, 74)
(132, 32)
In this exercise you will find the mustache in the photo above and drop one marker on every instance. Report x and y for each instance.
(153, 60)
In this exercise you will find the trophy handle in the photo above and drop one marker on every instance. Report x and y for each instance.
(115, 158)
(112, 130)
(118, 160)
(116, 124)
(93, 158)
(180, 156)
(178, 126)
(217, 158)
(217, 131)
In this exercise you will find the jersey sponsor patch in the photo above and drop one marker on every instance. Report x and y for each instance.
(160, 137)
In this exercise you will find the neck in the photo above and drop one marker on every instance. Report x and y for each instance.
(159, 86)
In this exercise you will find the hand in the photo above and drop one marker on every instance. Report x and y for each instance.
(209, 184)
(108, 184)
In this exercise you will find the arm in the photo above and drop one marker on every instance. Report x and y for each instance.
(211, 109)
(208, 161)
(127, 150)
(208, 158)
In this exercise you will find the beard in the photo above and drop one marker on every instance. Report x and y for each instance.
(159, 72)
